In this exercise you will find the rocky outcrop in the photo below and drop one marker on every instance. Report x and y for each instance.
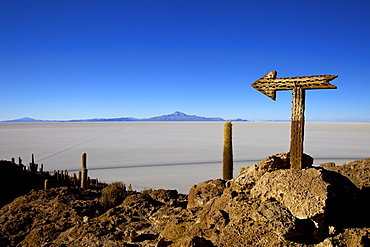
(357, 171)
(72, 217)
(41, 216)
(266, 205)
(306, 193)
(201, 194)
(248, 176)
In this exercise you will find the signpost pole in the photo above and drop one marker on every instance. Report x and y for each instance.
(297, 127)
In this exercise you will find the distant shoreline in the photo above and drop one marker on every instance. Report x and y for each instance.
(180, 117)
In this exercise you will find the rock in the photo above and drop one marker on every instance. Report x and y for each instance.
(194, 242)
(326, 243)
(314, 194)
(306, 193)
(328, 165)
(42, 215)
(248, 176)
(201, 194)
(282, 161)
(352, 237)
(357, 171)
(273, 213)
(164, 196)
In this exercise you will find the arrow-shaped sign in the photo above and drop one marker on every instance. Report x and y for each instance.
(269, 84)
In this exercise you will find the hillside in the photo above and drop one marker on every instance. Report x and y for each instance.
(266, 205)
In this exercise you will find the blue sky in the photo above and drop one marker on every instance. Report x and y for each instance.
(76, 59)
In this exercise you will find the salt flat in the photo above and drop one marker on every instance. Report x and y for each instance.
(171, 155)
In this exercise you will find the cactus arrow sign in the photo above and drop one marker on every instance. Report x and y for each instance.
(269, 84)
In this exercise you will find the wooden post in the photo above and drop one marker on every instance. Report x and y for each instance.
(297, 128)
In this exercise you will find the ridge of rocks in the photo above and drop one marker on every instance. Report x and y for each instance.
(265, 205)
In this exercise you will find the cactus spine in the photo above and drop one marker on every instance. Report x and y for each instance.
(227, 161)
(83, 171)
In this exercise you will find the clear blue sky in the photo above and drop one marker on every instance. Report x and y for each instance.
(65, 59)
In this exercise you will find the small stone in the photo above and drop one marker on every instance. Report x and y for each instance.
(85, 219)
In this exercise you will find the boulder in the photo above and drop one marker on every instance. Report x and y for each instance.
(164, 196)
(248, 176)
(201, 194)
(313, 194)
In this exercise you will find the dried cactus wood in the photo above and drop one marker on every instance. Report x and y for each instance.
(269, 84)
(227, 161)
(297, 128)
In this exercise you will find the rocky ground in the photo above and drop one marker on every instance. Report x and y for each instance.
(266, 205)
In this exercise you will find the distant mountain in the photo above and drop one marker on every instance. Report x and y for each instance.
(176, 116)
(121, 119)
(179, 116)
(25, 120)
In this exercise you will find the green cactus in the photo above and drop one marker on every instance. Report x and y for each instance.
(227, 161)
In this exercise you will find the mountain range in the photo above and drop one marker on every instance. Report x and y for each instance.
(176, 116)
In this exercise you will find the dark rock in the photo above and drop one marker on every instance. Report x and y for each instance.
(194, 242)
(164, 196)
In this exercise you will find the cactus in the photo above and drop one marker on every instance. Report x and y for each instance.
(75, 179)
(46, 184)
(130, 188)
(227, 161)
(32, 165)
(83, 172)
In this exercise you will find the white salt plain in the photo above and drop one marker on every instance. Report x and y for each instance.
(171, 155)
